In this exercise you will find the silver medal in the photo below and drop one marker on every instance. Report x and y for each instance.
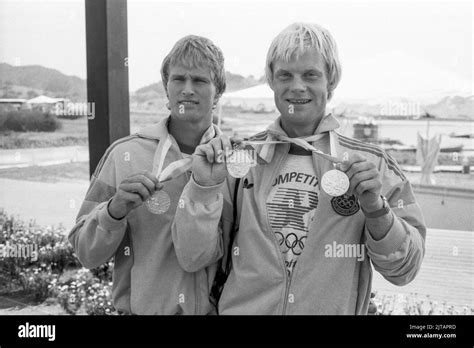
(158, 203)
(239, 163)
(335, 183)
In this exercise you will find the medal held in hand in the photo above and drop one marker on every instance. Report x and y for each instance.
(335, 183)
(158, 203)
(239, 163)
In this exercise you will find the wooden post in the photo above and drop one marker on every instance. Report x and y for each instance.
(107, 75)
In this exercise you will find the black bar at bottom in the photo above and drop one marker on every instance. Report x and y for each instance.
(139, 330)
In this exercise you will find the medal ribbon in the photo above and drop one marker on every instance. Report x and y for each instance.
(302, 142)
(177, 168)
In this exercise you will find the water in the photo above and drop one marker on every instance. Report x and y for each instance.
(406, 131)
(246, 124)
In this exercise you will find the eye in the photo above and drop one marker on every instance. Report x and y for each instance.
(178, 78)
(312, 75)
(284, 76)
(200, 81)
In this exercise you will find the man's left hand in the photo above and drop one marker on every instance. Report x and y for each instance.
(364, 180)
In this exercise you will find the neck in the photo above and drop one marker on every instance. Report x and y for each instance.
(297, 131)
(301, 130)
(188, 133)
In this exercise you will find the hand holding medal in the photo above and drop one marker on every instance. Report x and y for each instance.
(364, 181)
(209, 161)
(132, 192)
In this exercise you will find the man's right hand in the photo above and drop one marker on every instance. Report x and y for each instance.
(132, 192)
(209, 167)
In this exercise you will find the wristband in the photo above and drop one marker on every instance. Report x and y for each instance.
(108, 212)
(380, 212)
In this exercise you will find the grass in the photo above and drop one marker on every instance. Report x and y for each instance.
(52, 174)
(72, 132)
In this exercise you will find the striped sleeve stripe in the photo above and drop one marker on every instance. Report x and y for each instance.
(108, 152)
(388, 159)
(365, 145)
(259, 136)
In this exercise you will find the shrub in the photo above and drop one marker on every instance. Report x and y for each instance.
(84, 293)
(414, 304)
(55, 254)
(29, 121)
(37, 280)
(56, 271)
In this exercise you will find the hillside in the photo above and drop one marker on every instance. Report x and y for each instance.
(31, 80)
(154, 95)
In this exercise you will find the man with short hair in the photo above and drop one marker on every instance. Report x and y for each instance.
(302, 244)
(127, 213)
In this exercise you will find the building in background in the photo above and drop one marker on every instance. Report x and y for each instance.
(10, 104)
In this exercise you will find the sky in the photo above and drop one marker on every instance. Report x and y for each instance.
(396, 40)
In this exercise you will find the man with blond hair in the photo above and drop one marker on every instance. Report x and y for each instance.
(127, 212)
(316, 211)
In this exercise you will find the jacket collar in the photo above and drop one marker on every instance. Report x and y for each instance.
(159, 131)
(327, 124)
(156, 131)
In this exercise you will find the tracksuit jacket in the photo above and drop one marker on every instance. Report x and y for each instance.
(258, 282)
(147, 277)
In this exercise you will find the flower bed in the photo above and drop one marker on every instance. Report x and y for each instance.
(56, 273)
(41, 262)
(415, 304)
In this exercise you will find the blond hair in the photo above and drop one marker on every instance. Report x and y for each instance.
(196, 51)
(295, 40)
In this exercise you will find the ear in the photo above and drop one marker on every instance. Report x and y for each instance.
(270, 83)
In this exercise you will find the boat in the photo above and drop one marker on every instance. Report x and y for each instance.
(461, 135)
(454, 148)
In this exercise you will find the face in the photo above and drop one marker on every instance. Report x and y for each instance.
(191, 92)
(300, 89)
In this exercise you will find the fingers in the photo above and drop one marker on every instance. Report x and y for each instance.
(216, 150)
(363, 175)
(367, 185)
(202, 151)
(147, 180)
(359, 167)
(226, 144)
(132, 197)
(346, 165)
(138, 188)
(153, 179)
(359, 178)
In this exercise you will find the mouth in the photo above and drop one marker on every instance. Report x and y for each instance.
(188, 102)
(299, 101)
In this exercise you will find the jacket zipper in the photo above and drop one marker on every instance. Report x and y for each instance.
(196, 291)
(196, 282)
(287, 278)
(287, 291)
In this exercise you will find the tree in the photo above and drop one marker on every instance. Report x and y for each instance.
(31, 94)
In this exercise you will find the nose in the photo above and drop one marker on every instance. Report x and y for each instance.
(188, 88)
(298, 85)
